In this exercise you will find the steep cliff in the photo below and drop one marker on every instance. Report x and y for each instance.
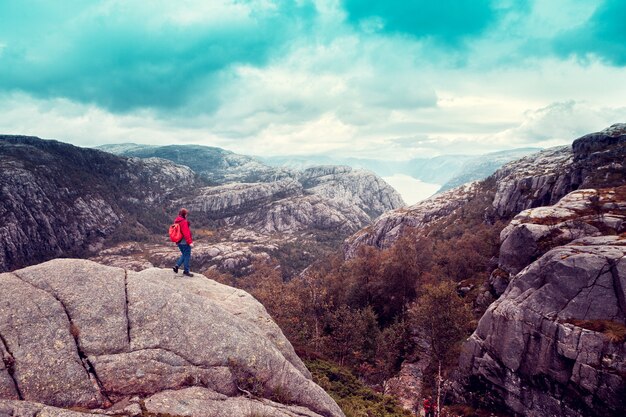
(581, 213)
(362, 188)
(76, 334)
(554, 343)
(594, 160)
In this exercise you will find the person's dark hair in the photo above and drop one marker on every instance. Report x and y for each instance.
(183, 213)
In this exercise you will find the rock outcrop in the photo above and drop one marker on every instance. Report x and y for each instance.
(535, 350)
(581, 213)
(594, 160)
(329, 198)
(536, 180)
(360, 187)
(554, 342)
(76, 334)
(235, 256)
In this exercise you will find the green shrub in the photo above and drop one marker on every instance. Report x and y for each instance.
(355, 398)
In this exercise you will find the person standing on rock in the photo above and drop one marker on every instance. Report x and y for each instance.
(185, 244)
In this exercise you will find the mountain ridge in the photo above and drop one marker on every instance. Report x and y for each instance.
(78, 199)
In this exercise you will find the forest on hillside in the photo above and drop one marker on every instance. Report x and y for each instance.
(414, 301)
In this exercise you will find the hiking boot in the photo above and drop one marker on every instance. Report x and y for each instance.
(175, 269)
(187, 274)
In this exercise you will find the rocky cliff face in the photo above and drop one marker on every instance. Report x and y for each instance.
(330, 198)
(540, 349)
(76, 334)
(362, 188)
(594, 160)
(60, 199)
(581, 213)
(265, 199)
(554, 342)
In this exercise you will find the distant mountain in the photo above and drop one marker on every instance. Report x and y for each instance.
(217, 165)
(449, 170)
(434, 170)
(482, 166)
(239, 183)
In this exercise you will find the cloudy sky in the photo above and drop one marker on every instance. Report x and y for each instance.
(366, 78)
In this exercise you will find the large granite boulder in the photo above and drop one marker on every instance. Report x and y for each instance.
(76, 334)
(582, 213)
(540, 349)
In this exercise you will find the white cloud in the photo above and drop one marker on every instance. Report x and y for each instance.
(559, 123)
(355, 94)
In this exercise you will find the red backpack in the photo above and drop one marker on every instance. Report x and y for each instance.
(176, 234)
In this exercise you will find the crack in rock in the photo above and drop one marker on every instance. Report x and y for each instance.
(10, 367)
(126, 307)
(84, 360)
(617, 287)
(190, 362)
(602, 271)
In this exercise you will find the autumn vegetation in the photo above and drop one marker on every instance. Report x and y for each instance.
(382, 307)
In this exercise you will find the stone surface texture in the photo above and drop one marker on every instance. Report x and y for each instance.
(78, 334)
(594, 160)
(581, 213)
(233, 256)
(529, 353)
(551, 344)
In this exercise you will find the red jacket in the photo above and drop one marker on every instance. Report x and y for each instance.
(184, 228)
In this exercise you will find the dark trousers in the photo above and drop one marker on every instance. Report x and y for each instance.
(184, 259)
